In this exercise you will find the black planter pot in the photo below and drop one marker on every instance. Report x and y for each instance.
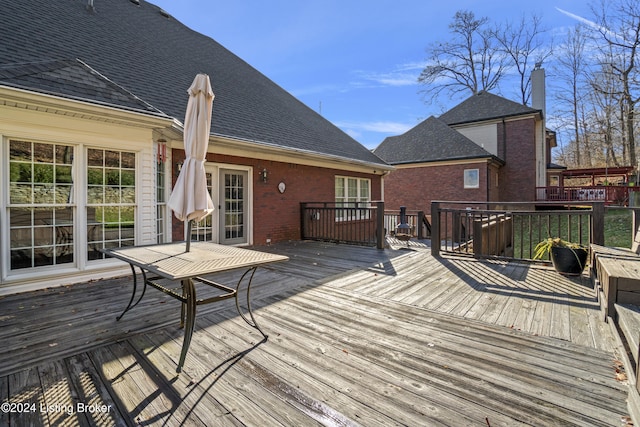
(568, 261)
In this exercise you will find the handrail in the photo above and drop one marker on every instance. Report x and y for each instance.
(511, 229)
(360, 223)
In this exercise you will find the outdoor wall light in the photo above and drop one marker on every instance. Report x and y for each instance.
(263, 175)
(178, 168)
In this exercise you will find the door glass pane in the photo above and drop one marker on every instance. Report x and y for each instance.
(233, 226)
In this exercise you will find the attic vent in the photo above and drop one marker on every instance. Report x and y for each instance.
(137, 2)
(164, 13)
(90, 6)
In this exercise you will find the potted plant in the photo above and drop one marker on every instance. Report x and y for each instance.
(568, 258)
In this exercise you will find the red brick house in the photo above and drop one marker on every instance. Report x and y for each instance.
(487, 148)
(92, 101)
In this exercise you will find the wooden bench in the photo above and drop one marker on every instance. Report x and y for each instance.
(628, 327)
(619, 282)
(614, 272)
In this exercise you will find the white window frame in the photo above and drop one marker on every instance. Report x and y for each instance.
(472, 178)
(362, 196)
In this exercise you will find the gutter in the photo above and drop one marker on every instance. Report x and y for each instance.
(278, 149)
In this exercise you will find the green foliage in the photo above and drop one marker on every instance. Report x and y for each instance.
(544, 247)
(617, 228)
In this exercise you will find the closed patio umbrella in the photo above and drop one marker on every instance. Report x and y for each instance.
(190, 199)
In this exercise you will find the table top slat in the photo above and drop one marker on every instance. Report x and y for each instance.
(173, 262)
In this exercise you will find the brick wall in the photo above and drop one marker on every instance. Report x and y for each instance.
(276, 216)
(518, 175)
(416, 188)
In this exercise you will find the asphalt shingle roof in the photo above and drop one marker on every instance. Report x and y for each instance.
(431, 140)
(72, 79)
(484, 106)
(153, 58)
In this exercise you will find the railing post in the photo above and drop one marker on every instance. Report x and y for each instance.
(303, 212)
(435, 229)
(597, 223)
(380, 225)
(419, 225)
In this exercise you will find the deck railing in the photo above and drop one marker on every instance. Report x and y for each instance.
(360, 223)
(511, 230)
(419, 223)
(609, 194)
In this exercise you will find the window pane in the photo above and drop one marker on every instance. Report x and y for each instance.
(42, 257)
(20, 217)
(471, 178)
(339, 188)
(111, 159)
(352, 190)
(128, 160)
(21, 238)
(20, 172)
(112, 177)
(43, 194)
(43, 153)
(128, 177)
(20, 150)
(42, 173)
(21, 258)
(95, 157)
(95, 195)
(64, 155)
(63, 174)
(21, 194)
(63, 194)
(111, 198)
(128, 195)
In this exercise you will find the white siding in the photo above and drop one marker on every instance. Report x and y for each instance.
(486, 136)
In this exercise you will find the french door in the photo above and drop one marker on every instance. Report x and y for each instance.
(229, 224)
(233, 207)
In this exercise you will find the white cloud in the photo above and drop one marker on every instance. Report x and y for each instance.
(577, 18)
(393, 128)
(402, 75)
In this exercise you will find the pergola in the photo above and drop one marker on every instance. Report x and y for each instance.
(597, 175)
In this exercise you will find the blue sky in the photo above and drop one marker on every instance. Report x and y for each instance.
(356, 62)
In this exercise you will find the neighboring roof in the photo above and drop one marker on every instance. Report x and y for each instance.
(431, 140)
(153, 58)
(484, 106)
(555, 166)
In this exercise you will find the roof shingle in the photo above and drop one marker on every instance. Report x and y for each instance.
(484, 106)
(154, 58)
(431, 140)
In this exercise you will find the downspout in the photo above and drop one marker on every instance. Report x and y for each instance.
(488, 182)
(504, 140)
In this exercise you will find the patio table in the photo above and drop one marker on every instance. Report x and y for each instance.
(171, 262)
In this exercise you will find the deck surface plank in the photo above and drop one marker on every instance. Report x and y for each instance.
(357, 336)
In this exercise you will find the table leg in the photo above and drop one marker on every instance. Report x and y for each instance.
(251, 322)
(189, 291)
(135, 287)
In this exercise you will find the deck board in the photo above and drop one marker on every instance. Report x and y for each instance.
(357, 336)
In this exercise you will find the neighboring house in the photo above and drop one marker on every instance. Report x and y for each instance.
(92, 99)
(487, 148)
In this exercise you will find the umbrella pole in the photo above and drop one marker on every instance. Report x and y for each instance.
(189, 235)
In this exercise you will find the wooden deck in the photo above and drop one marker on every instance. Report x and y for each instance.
(357, 336)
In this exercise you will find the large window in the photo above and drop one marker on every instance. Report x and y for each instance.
(41, 210)
(111, 178)
(354, 194)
